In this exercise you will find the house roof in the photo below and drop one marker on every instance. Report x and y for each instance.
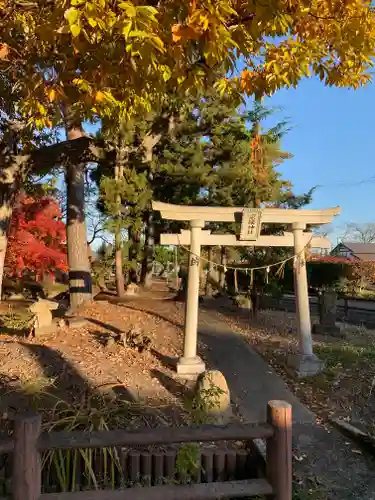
(363, 251)
(333, 259)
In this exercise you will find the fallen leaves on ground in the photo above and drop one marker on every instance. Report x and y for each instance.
(346, 388)
(73, 359)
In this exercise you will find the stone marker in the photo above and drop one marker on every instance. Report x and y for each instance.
(62, 323)
(43, 316)
(213, 395)
(226, 302)
(304, 365)
(327, 315)
(244, 302)
(132, 289)
(110, 342)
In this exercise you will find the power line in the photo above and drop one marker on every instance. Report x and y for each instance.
(346, 184)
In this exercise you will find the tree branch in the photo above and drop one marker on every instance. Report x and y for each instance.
(82, 150)
(95, 231)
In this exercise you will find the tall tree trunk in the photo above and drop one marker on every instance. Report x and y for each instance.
(120, 282)
(149, 142)
(134, 240)
(12, 176)
(2, 262)
(210, 255)
(80, 280)
(5, 215)
(223, 267)
(148, 259)
(176, 268)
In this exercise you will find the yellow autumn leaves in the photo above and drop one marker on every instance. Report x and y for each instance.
(102, 55)
(4, 51)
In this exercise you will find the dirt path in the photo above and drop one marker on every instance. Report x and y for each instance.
(325, 463)
(345, 389)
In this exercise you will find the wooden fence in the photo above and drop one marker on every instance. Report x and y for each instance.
(28, 442)
(349, 310)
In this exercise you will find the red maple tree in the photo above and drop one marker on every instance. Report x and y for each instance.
(37, 238)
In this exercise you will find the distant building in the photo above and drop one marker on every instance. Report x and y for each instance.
(355, 251)
(319, 251)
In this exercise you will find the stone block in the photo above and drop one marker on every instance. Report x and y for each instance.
(190, 368)
(44, 330)
(331, 330)
(132, 289)
(212, 393)
(244, 302)
(305, 365)
(328, 308)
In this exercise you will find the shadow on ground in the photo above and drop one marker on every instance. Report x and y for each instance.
(106, 326)
(63, 387)
(177, 389)
(167, 361)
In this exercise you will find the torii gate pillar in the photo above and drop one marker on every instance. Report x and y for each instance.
(190, 365)
(305, 362)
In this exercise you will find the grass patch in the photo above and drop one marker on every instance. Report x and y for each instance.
(357, 333)
(345, 355)
(93, 469)
(14, 322)
(349, 364)
(308, 494)
(85, 469)
(323, 381)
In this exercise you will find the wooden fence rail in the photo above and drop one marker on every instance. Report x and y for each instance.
(349, 310)
(167, 435)
(28, 442)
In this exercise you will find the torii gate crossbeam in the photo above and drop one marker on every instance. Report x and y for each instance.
(305, 363)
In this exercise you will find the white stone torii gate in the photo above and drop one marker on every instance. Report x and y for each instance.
(306, 363)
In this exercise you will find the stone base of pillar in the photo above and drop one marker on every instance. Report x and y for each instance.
(332, 330)
(190, 368)
(305, 365)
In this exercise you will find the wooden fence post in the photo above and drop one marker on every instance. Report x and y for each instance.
(26, 483)
(346, 308)
(279, 449)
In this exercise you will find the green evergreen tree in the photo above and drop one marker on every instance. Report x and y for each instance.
(124, 192)
(203, 150)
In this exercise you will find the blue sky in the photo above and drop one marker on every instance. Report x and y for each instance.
(332, 140)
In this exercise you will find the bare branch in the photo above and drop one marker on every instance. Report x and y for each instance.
(362, 233)
(323, 230)
(97, 230)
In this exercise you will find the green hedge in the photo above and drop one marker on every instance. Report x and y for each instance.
(320, 275)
